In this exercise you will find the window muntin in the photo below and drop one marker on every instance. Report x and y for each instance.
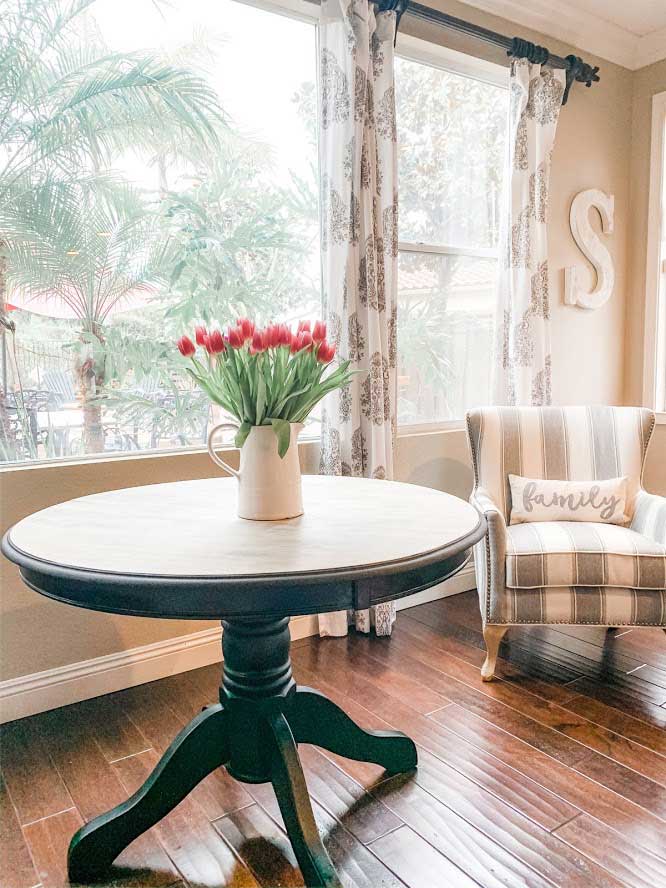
(451, 160)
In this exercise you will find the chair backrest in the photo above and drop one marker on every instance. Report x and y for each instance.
(559, 443)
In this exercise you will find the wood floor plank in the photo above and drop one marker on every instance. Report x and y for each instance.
(626, 702)
(523, 840)
(631, 685)
(569, 784)
(262, 845)
(645, 644)
(620, 722)
(94, 785)
(448, 638)
(49, 838)
(548, 777)
(466, 688)
(554, 665)
(34, 784)
(361, 814)
(575, 735)
(190, 839)
(115, 732)
(356, 865)
(16, 867)
(601, 652)
(417, 863)
(470, 850)
(632, 865)
(487, 771)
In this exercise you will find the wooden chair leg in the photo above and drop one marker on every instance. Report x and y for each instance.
(492, 635)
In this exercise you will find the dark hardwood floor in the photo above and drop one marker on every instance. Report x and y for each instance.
(554, 775)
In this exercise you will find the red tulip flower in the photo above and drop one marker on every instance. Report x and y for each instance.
(235, 337)
(319, 332)
(215, 342)
(258, 340)
(325, 352)
(304, 340)
(186, 347)
(273, 335)
(303, 325)
(200, 334)
(246, 327)
(284, 335)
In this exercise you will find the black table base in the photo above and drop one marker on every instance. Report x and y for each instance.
(253, 732)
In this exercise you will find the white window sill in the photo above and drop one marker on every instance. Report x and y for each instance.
(138, 456)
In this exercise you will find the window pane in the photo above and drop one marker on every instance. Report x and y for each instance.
(166, 174)
(451, 154)
(445, 335)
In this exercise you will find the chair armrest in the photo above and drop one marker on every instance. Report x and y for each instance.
(650, 516)
(490, 558)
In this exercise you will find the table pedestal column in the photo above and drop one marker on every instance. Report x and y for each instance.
(254, 731)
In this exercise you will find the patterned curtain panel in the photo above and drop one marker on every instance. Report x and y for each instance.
(359, 210)
(523, 363)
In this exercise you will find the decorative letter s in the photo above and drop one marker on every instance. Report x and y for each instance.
(591, 246)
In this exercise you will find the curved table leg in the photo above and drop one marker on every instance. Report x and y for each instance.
(315, 719)
(292, 795)
(200, 748)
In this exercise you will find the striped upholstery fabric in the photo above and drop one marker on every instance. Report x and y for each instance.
(578, 553)
(594, 605)
(650, 516)
(559, 443)
(567, 572)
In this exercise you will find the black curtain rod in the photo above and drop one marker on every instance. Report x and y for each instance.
(576, 69)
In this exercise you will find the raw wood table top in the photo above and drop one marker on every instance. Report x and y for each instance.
(187, 532)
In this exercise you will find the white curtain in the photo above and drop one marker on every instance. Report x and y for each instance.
(359, 212)
(523, 361)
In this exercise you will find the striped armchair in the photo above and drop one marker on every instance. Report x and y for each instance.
(564, 571)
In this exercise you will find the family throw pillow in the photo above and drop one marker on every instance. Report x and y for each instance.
(539, 500)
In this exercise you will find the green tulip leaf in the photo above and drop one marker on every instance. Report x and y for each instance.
(242, 433)
(282, 430)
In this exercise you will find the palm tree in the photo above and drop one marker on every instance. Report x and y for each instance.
(68, 106)
(91, 254)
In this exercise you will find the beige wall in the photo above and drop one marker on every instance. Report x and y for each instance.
(593, 150)
(646, 83)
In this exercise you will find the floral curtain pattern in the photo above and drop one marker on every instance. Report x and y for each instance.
(523, 362)
(359, 240)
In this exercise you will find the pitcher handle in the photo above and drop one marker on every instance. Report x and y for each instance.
(211, 452)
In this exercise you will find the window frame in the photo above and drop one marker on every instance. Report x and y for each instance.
(654, 380)
(437, 56)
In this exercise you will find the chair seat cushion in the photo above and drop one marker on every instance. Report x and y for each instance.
(570, 553)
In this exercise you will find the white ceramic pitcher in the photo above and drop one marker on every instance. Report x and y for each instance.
(269, 488)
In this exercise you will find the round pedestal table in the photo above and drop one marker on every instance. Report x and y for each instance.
(179, 551)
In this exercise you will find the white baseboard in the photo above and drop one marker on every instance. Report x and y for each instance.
(40, 691)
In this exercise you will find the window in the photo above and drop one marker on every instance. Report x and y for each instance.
(451, 125)
(158, 174)
(655, 279)
(151, 173)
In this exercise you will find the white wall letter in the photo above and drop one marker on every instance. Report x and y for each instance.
(592, 247)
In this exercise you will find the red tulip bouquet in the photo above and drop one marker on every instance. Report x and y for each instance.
(270, 377)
